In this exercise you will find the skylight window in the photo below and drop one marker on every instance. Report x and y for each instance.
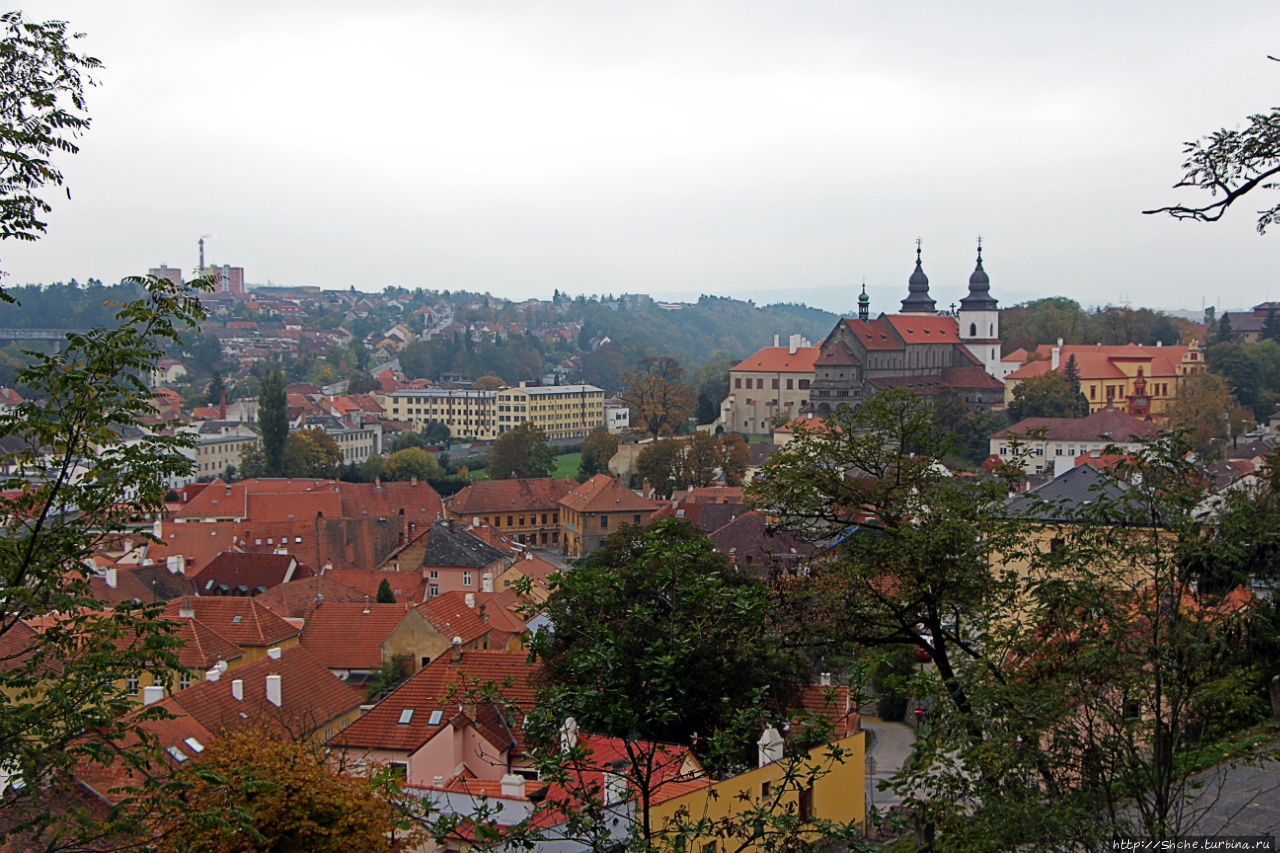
(406, 716)
(235, 620)
(178, 755)
(196, 746)
(435, 718)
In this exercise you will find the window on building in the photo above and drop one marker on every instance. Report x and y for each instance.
(760, 384)
(789, 383)
(604, 522)
(433, 590)
(737, 382)
(635, 519)
(509, 524)
(775, 385)
(131, 684)
(804, 384)
(466, 578)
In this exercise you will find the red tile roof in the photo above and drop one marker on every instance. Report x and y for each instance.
(1111, 424)
(203, 647)
(452, 617)
(232, 573)
(347, 635)
(780, 360)
(295, 598)
(310, 695)
(437, 687)
(603, 493)
(877, 334)
(241, 620)
(925, 328)
(485, 497)
(407, 586)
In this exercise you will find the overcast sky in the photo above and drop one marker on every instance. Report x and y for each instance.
(771, 150)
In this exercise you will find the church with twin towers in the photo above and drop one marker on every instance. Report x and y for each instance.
(919, 348)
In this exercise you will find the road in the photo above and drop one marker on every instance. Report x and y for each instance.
(890, 744)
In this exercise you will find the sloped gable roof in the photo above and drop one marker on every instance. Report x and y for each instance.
(310, 695)
(780, 360)
(438, 686)
(603, 493)
(485, 497)
(241, 620)
(452, 545)
(349, 635)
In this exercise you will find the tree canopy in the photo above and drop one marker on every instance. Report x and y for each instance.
(660, 402)
(1050, 395)
(520, 452)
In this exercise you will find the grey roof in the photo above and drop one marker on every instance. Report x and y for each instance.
(979, 298)
(1067, 496)
(456, 546)
(918, 300)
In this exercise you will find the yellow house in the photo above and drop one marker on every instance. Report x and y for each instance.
(1140, 380)
(829, 785)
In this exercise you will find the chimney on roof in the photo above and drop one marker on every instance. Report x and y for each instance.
(455, 654)
(775, 340)
(274, 653)
(568, 734)
(824, 679)
(484, 612)
(770, 745)
(470, 600)
(112, 577)
(152, 694)
(274, 694)
(1055, 355)
(512, 785)
(213, 674)
(413, 481)
(450, 523)
(186, 610)
(237, 689)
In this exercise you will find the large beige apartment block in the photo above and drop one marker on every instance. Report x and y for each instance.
(562, 411)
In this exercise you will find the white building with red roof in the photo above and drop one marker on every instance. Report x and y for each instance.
(774, 379)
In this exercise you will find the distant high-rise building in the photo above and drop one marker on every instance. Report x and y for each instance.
(165, 271)
(229, 279)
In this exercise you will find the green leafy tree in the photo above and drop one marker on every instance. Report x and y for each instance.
(660, 401)
(1271, 326)
(662, 464)
(385, 595)
(215, 390)
(1049, 395)
(72, 485)
(273, 420)
(410, 463)
(362, 382)
(1042, 321)
(597, 449)
(659, 637)
(735, 458)
(42, 113)
(312, 453)
(1205, 409)
(519, 453)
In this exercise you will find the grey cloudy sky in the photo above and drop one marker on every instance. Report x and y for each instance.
(774, 150)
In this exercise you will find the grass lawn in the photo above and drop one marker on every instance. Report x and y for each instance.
(567, 465)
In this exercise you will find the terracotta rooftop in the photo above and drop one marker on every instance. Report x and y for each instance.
(232, 573)
(203, 647)
(780, 360)
(603, 493)
(437, 687)
(346, 635)
(310, 695)
(1109, 424)
(452, 617)
(486, 497)
(295, 598)
(241, 620)
(877, 334)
